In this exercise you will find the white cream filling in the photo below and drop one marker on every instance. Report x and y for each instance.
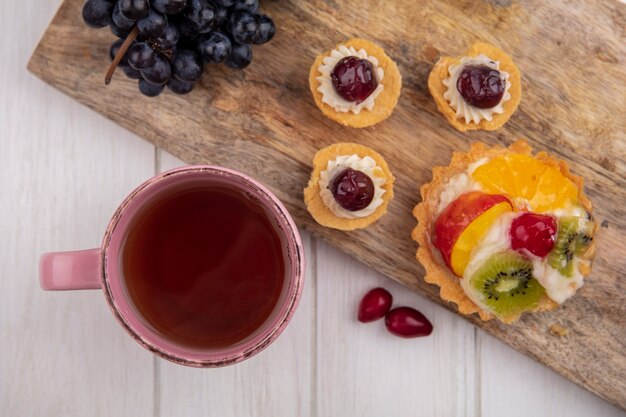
(457, 102)
(558, 287)
(326, 87)
(459, 184)
(367, 166)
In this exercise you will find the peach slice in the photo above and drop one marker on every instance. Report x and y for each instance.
(463, 223)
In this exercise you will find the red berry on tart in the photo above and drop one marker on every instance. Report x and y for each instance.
(533, 233)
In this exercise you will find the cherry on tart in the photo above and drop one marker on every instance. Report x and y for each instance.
(535, 233)
(374, 305)
(354, 79)
(463, 223)
(481, 86)
(352, 189)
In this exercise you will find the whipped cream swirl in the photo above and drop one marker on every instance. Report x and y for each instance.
(326, 87)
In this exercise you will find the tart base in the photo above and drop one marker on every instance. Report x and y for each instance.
(316, 206)
(436, 271)
(437, 88)
(385, 102)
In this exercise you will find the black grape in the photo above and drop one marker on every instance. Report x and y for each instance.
(120, 20)
(214, 47)
(153, 25)
(150, 90)
(169, 38)
(202, 15)
(266, 31)
(187, 66)
(159, 73)
(169, 6)
(240, 57)
(131, 73)
(180, 87)
(134, 9)
(141, 55)
(97, 13)
(243, 26)
(248, 5)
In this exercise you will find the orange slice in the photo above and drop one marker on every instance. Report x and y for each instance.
(473, 234)
(533, 184)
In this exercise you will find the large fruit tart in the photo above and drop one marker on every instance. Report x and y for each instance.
(503, 232)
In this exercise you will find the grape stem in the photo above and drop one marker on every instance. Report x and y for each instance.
(120, 54)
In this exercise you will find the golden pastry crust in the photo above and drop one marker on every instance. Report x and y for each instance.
(385, 102)
(314, 203)
(436, 270)
(440, 72)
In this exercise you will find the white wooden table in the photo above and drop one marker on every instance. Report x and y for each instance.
(63, 170)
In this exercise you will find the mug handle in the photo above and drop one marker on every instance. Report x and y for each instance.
(77, 270)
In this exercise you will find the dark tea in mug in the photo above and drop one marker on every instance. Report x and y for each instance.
(203, 266)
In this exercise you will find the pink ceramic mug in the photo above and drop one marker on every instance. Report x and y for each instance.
(100, 268)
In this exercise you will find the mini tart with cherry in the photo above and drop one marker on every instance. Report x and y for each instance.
(356, 84)
(503, 232)
(477, 91)
(350, 186)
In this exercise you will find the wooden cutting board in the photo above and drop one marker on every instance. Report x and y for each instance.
(263, 121)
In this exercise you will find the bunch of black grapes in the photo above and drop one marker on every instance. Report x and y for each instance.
(167, 42)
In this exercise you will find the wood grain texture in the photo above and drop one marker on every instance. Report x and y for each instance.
(262, 121)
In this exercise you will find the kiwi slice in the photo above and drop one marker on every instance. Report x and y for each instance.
(506, 285)
(574, 237)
